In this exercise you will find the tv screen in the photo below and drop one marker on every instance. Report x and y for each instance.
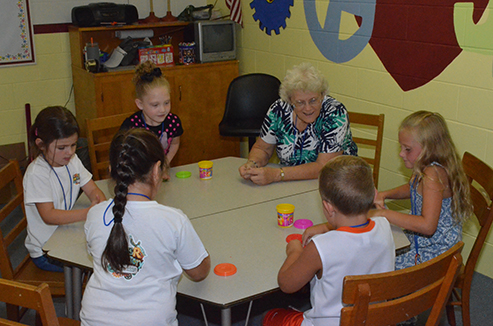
(214, 40)
(218, 38)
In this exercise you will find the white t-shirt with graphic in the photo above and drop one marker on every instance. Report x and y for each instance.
(162, 243)
(44, 184)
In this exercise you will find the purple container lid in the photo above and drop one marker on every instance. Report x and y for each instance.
(303, 223)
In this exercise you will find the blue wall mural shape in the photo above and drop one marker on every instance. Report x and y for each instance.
(414, 39)
(271, 14)
(327, 39)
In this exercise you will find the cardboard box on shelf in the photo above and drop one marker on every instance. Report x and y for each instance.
(161, 55)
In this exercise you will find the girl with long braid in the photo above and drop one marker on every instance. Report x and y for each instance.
(139, 247)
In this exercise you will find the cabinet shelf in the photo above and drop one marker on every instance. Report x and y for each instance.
(107, 40)
(198, 92)
(132, 27)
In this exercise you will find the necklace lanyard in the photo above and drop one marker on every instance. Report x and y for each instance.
(162, 126)
(137, 194)
(61, 185)
(417, 257)
(112, 201)
(362, 224)
(302, 141)
(104, 214)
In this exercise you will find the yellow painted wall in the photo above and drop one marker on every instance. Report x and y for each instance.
(462, 93)
(46, 83)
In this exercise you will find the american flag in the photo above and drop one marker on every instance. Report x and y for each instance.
(235, 11)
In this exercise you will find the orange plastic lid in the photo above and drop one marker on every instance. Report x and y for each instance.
(225, 269)
(294, 236)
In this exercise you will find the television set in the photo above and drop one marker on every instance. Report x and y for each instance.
(215, 40)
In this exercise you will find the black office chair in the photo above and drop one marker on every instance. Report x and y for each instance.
(249, 98)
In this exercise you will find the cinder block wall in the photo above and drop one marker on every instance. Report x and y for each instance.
(462, 93)
(46, 83)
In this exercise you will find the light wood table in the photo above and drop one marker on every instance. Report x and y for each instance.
(246, 235)
(195, 197)
(225, 191)
(250, 238)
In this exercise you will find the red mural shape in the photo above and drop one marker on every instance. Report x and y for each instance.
(415, 39)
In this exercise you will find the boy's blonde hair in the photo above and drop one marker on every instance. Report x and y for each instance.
(148, 76)
(430, 130)
(347, 183)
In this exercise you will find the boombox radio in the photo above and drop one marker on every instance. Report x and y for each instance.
(102, 13)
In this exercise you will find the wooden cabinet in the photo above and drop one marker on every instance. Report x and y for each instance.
(107, 40)
(102, 94)
(198, 93)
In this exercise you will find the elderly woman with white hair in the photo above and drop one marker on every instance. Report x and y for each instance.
(306, 127)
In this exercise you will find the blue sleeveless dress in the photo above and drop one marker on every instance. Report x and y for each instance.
(447, 234)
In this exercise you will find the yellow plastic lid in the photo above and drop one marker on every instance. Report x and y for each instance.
(205, 164)
(285, 208)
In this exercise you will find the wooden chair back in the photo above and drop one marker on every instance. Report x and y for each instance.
(100, 132)
(369, 138)
(480, 177)
(12, 236)
(32, 297)
(394, 297)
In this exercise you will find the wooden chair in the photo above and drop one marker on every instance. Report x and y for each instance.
(25, 271)
(32, 297)
(100, 132)
(369, 147)
(394, 297)
(480, 178)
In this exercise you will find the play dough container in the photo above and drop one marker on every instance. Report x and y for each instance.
(205, 170)
(285, 215)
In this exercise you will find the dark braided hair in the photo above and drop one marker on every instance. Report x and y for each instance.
(133, 153)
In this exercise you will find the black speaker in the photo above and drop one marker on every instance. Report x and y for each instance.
(96, 14)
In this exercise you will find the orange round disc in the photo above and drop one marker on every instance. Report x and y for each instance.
(225, 269)
(294, 236)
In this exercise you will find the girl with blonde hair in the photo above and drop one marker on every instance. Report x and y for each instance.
(153, 98)
(438, 189)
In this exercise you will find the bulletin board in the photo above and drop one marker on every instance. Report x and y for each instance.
(16, 38)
